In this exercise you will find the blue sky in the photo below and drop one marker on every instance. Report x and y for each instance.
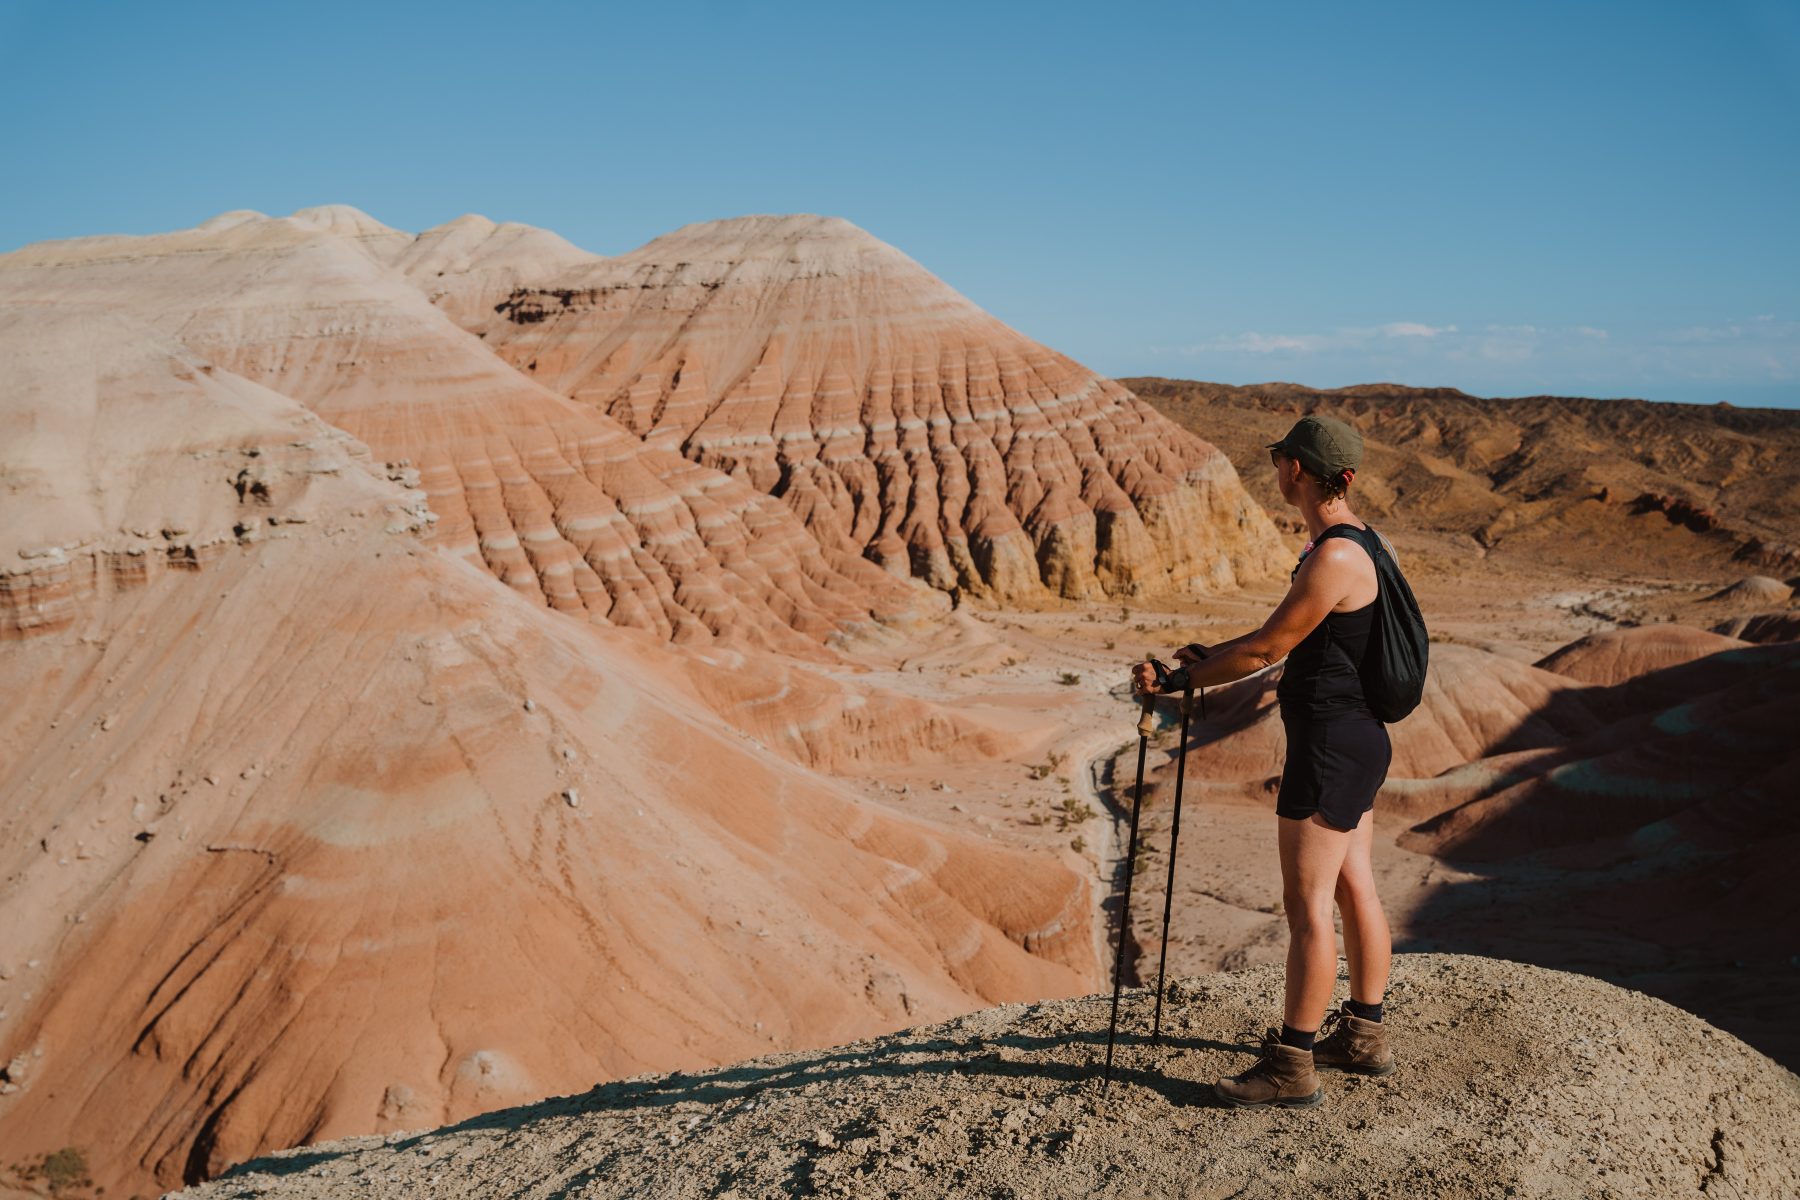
(1584, 198)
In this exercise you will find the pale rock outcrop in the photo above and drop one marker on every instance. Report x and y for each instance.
(470, 265)
(894, 416)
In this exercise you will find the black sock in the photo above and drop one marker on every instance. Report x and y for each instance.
(1368, 1012)
(1293, 1037)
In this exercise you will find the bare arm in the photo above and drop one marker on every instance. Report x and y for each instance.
(1325, 578)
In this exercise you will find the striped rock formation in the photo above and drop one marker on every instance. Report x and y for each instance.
(554, 498)
(894, 416)
(352, 782)
(314, 827)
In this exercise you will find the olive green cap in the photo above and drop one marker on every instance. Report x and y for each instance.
(1324, 445)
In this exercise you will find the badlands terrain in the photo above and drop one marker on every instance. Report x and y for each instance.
(455, 669)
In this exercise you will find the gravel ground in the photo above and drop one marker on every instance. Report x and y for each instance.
(1513, 1081)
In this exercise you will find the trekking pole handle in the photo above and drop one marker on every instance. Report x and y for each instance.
(1147, 718)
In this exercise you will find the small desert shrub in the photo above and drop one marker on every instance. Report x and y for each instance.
(1068, 679)
(1078, 844)
(1073, 812)
(64, 1170)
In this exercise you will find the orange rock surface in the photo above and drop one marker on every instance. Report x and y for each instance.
(896, 418)
(352, 780)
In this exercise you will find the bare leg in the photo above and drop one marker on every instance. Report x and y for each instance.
(1367, 943)
(1312, 856)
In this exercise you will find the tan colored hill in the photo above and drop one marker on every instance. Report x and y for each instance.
(556, 500)
(314, 825)
(1513, 1080)
(1755, 589)
(1676, 488)
(897, 419)
(1621, 654)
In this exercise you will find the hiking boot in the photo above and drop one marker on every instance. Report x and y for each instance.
(1349, 1043)
(1283, 1076)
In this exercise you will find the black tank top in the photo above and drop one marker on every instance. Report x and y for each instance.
(1320, 681)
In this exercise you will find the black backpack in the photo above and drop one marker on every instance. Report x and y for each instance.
(1393, 666)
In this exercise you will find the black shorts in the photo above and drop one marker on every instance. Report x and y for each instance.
(1333, 768)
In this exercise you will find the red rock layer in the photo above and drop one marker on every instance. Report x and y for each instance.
(897, 419)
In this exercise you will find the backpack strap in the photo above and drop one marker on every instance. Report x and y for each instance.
(1359, 536)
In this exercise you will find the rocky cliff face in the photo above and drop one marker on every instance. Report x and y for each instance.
(898, 420)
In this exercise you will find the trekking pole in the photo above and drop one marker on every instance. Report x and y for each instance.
(1162, 960)
(1146, 721)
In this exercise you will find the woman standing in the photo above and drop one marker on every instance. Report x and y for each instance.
(1337, 758)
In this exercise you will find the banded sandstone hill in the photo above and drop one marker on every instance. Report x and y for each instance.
(897, 419)
(352, 769)
(315, 827)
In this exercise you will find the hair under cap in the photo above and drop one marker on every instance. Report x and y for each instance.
(1323, 445)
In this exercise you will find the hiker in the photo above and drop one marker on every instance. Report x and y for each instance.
(1337, 757)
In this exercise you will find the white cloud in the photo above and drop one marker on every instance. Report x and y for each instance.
(1254, 342)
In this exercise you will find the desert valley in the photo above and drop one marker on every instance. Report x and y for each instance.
(447, 671)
